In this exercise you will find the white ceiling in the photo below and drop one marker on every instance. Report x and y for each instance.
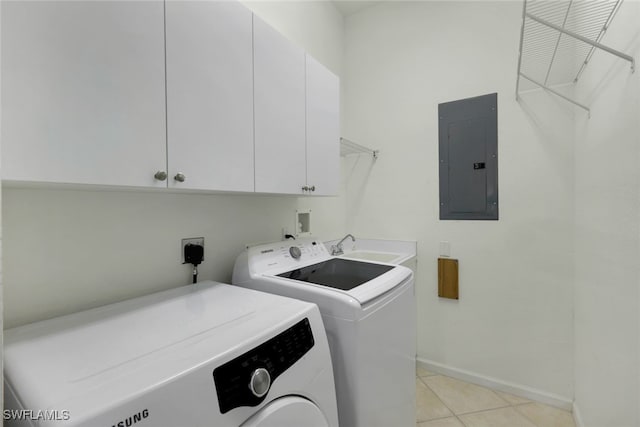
(349, 7)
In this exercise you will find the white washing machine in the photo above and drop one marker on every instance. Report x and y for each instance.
(201, 355)
(369, 314)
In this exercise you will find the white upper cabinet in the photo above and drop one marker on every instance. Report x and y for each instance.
(197, 95)
(210, 95)
(323, 129)
(83, 96)
(279, 86)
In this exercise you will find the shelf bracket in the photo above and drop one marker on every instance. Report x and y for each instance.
(349, 147)
(555, 92)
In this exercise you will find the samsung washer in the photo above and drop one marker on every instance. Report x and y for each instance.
(200, 356)
(369, 314)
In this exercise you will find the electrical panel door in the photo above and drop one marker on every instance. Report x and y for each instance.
(468, 146)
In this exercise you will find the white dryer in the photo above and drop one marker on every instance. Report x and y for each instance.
(201, 355)
(369, 314)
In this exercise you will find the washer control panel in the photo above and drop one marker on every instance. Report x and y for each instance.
(246, 380)
(287, 254)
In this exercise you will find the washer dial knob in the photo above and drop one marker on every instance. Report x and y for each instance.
(295, 252)
(260, 382)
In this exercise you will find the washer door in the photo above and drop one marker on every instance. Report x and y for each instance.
(289, 411)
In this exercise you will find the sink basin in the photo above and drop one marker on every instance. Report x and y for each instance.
(372, 256)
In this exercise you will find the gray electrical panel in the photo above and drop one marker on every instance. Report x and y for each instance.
(468, 147)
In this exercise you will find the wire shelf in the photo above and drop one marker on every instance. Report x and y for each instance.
(557, 41)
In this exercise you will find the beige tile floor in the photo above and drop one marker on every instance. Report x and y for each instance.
(446, 402)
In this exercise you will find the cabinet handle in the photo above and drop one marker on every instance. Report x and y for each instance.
(305, 188)
(180, 177)
(312, 188)
(160, 175)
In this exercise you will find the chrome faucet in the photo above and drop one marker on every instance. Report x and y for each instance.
(337, 248)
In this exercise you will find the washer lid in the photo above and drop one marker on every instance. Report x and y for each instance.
(93, 360)
(338, 273)
(363, 293)
(288, 411)
(316, 272)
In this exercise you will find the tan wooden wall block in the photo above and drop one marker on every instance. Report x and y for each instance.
(448, 278)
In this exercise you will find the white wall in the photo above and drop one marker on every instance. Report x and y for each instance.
(607, 233)
(513, 324)
(67, 250)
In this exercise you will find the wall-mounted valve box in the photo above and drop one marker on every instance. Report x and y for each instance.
(303, 223)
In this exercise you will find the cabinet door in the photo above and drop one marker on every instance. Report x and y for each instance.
(279, 80)
(210, 95)
(323, 129)
(83, 92)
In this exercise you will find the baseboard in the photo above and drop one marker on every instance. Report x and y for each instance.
(577, 417)
(493, 383)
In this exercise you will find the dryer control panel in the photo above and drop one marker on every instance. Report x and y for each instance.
(245, 380)
(286, 255)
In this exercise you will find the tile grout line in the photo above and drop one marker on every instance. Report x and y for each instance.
(487, 410)
(508, 404)
(440, 399)
(436, 419)
(437, 397)
(524, 415)
(457, 416)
